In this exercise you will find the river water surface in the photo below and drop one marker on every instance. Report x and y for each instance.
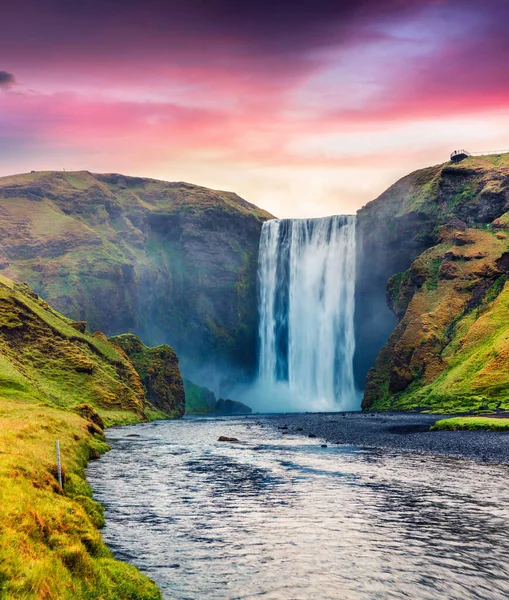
(278, 516)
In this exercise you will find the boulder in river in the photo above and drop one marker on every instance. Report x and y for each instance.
(224, 438)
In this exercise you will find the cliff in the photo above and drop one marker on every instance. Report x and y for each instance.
(159, 371)
(437, 237)
(57, 382)
(170, 262)
(202, 401)
(199, 400)
(46, 357)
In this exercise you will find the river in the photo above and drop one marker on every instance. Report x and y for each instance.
(280, 517)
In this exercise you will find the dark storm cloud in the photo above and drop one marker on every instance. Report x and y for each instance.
(264, 48)
(259, 27)
(7, 80)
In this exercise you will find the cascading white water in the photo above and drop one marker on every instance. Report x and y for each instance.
(306, 279)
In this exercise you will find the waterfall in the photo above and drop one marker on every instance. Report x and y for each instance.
(306, 283)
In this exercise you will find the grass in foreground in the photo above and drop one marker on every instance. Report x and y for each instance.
(472, 423)
(59, 382)
(50, 545)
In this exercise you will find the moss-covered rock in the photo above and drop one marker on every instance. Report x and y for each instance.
(407, 219)
(44, 358)
(88, 412)
(171, 262)
(448, 350)
(199, 400)
(159, 371)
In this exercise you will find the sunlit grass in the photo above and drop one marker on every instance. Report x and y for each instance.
(455, 423)
(50, 545)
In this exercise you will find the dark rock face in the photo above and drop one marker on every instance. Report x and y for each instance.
(436, 235)
(406, 220)
(503, 263)
(231, 407)
(159, 372)
(387, 243)
(171, 262)
(201, 401)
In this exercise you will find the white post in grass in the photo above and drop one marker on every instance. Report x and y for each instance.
(59, 464)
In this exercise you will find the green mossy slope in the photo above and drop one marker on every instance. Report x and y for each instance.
(450, 349)
(472, 423)
(199, 400)
(58, 382)
(45, 357)
(159, 371)
(168, 261)
(394, 229)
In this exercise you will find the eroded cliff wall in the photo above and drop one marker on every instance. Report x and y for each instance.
(172, 262)
(437, 239)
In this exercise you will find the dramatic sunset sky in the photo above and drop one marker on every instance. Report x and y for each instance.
(305, 108)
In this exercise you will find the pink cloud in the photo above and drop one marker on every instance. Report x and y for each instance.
(132, 89)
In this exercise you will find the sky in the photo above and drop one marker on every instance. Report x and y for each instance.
(304, 108)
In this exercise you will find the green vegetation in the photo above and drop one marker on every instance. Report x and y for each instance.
(464, 195)
(168, 260)
(50, 546)
(159, 371)
(199, 400)
(471, 423)
(45, 358)
(58, 382)
(423, 191)
(450, 350)
(434, 269)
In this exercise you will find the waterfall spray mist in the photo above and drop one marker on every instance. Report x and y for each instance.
(306, 280)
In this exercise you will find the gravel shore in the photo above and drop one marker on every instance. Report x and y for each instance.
(397, 431)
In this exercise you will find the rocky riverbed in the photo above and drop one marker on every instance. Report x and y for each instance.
(398, 431)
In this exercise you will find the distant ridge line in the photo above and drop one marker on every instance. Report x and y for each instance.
(459, 155)
(486, 152)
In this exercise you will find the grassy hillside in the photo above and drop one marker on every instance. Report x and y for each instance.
(403, 222)
(199, 400)
(58, 382)
(450, 349)
(159, 372)
(171, 262)
(45, 357)
(50, 545)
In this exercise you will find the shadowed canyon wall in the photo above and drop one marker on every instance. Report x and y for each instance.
(433, 247)
(176, 263)
(172, 262)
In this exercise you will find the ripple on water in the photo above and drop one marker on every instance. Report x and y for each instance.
(277, 516)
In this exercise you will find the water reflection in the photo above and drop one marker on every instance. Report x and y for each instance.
(277, 516)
